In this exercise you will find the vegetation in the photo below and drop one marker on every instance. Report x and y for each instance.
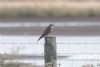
(49, 9)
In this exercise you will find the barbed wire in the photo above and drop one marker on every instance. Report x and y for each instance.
(83, 59)
(44, 43)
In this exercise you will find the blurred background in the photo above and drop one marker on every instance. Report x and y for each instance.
(76, 28)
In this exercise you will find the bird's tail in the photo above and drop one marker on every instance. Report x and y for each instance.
(39, 38)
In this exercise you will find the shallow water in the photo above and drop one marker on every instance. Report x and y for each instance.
(18, 37)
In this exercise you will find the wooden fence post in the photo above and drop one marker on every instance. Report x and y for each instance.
(50, 55)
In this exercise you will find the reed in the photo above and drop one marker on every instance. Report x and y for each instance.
(49, 9)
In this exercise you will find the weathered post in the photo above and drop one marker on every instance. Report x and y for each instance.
(50, 52)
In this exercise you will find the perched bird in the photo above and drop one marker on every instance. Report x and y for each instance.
(47, 31)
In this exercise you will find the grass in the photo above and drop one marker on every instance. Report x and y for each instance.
(49, 9)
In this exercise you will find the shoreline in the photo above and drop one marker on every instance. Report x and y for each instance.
(92, 19)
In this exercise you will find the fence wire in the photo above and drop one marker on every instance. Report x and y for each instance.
(71, 61)
(56, 43)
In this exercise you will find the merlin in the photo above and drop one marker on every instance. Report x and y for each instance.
(47, 31)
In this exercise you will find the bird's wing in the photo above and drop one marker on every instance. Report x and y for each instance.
(46, 32)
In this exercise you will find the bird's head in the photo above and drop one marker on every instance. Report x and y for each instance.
(51, 25)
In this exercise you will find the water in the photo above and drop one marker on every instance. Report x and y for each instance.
(82, 50)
